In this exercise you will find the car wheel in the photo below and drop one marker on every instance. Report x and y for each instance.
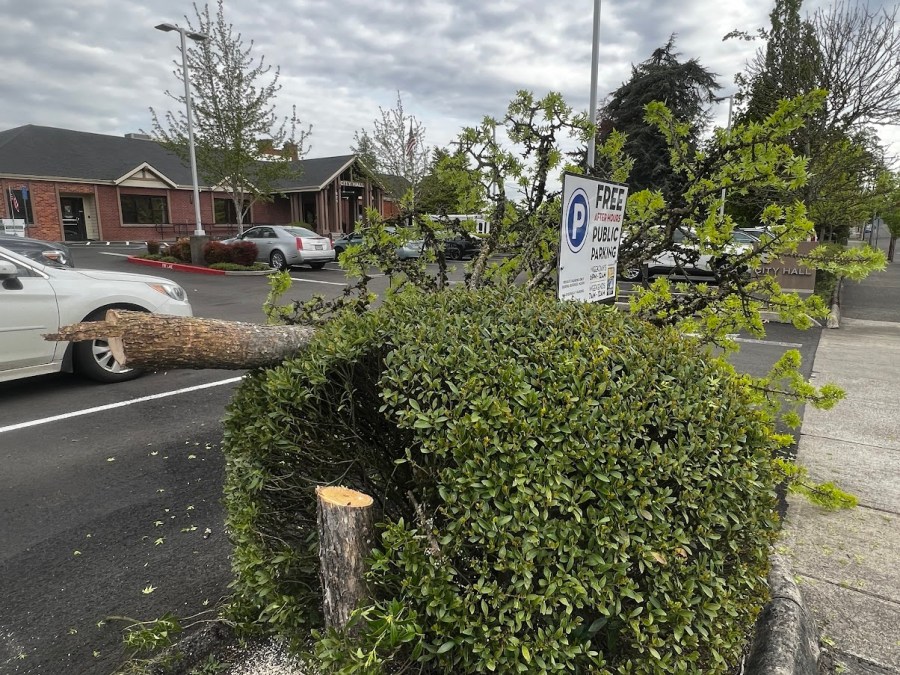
(338, 250)
(277, 261)
(93, 359)
(317, 265)
(631, 274)
(453, 253)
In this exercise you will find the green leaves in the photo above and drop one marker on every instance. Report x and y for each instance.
(561, 488)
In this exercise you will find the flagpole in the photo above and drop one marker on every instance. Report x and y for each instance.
(9, 202)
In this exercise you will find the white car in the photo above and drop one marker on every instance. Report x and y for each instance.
(686, 261)
(36, 299)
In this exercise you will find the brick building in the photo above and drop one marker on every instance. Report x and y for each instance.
(77, 186)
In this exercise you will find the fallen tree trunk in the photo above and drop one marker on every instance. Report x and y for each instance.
(162, 342)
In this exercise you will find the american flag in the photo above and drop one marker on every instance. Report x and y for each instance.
(13, 200)
(411, 142)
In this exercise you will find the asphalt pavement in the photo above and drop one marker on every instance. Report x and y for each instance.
(846, 562)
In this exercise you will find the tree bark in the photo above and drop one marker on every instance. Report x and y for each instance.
(346, 534)
(161, 342)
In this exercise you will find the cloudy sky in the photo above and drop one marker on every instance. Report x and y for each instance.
(98, 65)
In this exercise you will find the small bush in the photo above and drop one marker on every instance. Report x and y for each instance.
(216, 252)
(560, 489)
(180, 250)
(153, 247)
(159, 257)
(243, 253)
(232, 267)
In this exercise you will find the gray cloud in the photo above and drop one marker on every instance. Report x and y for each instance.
(98, 65)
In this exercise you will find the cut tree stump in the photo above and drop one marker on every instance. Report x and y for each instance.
(161, 342)
(346, 534)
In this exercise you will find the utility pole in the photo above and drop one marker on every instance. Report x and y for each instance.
(595, 60)
(728, 136)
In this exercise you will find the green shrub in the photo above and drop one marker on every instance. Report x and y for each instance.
(159, 257)
(560, 489)
(232, 267)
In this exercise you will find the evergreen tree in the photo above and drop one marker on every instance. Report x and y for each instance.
(687, 88)
(365, 148)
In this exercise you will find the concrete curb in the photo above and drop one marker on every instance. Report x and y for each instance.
(183, 267)
(786, 641)
(834, 319)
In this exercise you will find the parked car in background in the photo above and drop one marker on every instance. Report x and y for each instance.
(410, 250)
(345, 241)
(50, 252)
(756, 232)
(38, 298)
(461, 246)
(407, 251)
(685, 260)
(284, 246)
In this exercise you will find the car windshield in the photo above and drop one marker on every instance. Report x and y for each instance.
(301, 232)
(743, 237)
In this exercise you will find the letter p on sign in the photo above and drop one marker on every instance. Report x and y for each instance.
(577, 217)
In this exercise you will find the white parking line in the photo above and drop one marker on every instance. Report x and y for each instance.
(122, 404)
(339, 269)
(316, 281)
(774, 343)
(121, 255)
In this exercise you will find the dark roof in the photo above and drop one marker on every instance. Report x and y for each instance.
(316, 173)
(47, 152)
(396, 186)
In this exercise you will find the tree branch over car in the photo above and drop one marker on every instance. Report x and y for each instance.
(242, 145)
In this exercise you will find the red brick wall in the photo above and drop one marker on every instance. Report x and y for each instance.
(277, 212)
(48, 222)
(109, 211)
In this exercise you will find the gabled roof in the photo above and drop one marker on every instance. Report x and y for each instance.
(316, 173)
(47, 152)
(144, 165)
(61, 154)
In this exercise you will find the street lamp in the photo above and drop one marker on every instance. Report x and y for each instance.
(722, 205)
(198, 37)
(595, 62)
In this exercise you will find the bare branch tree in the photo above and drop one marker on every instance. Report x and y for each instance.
(860, 63)
(397, 144)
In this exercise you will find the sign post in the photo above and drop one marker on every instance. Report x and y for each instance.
(593, 212)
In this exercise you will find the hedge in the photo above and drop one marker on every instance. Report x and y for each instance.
(560, 489)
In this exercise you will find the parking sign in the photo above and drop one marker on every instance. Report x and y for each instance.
(592, 215)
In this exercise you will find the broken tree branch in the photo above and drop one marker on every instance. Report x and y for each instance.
(162, 342)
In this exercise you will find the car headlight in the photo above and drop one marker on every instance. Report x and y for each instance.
(174, 291)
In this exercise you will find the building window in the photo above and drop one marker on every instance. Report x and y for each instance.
(144, 210)
(226, 214)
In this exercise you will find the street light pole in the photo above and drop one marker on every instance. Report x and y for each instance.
(722, 205)
(199, 37)
(595, 61)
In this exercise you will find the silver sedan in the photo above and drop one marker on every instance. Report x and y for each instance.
(284, 246)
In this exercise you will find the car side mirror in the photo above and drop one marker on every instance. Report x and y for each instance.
(9, 276)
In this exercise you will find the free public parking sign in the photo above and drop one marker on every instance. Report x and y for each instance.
(591, 227)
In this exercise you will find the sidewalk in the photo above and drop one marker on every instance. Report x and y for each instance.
(847, 564)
